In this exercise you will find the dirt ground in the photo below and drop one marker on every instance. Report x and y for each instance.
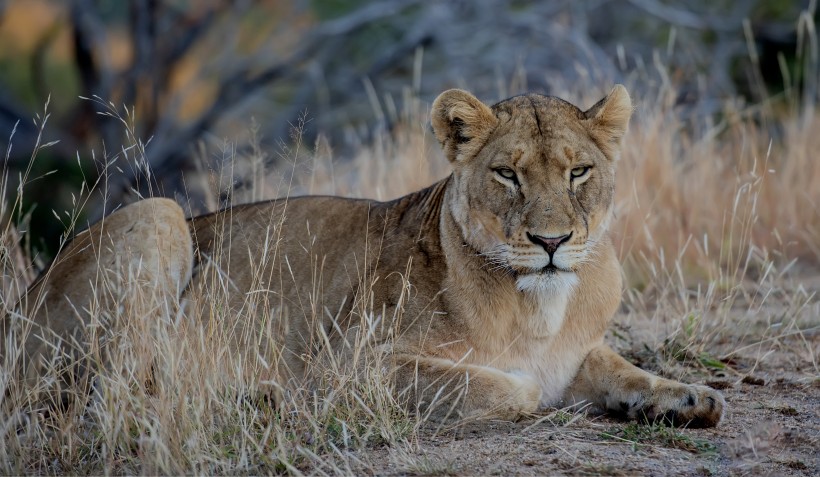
(771, 426)
(769, 429)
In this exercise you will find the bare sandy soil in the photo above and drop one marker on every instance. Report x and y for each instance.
(772, 429)
(772, 425)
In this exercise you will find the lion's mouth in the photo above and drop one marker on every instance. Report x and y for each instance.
(549, 270)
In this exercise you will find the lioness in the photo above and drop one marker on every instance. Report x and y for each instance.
(504, 270)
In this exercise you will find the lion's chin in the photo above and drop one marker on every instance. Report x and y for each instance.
(547, 279)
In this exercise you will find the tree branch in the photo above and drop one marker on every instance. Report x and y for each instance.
(165, 154)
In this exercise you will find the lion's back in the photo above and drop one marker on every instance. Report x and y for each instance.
(279, 244)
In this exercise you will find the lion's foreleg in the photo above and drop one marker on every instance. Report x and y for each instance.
(610, 382)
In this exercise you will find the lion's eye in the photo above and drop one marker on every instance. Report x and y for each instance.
(579, 171)
(508, 174)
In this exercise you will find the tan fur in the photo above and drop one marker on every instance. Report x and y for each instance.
(461, 272)
(144, 246)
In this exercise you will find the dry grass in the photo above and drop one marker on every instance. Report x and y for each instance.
(706, 226)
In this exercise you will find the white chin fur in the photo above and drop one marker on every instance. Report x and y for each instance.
(561, 283)
(551, 293)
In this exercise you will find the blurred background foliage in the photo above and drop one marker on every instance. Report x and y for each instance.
(187, 75)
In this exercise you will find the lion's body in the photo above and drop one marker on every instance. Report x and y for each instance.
(316, 268)
(500, 279)
(449, 315)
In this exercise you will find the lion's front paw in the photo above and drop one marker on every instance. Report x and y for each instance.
(683, 405)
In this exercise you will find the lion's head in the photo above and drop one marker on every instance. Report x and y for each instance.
(534, 178)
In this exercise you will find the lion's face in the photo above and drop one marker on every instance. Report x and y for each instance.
(535, 179)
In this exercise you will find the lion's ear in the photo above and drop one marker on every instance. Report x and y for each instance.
(609, 120)
(461, 123)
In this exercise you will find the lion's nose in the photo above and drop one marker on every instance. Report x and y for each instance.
(550, 244)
